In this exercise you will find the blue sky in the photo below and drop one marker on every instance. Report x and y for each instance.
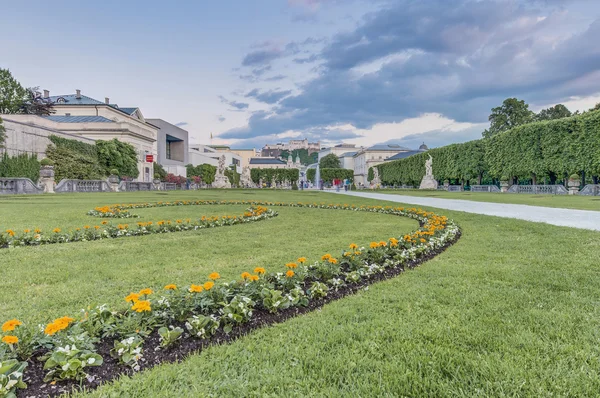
(262, 71)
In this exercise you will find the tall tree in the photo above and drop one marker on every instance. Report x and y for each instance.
(511, 113)
(554, 112)
(35, 104)
(2, 135)
(12, 94)
(330, 161)
(596, 108)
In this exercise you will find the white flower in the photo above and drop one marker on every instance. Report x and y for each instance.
(91, 361)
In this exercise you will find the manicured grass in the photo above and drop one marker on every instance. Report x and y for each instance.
(563, 201)
(510, 310)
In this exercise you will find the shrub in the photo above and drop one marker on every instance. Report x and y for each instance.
(46, 162)
(23, 165)
(158, 169)
(114, 172)
(74, 159)
(119, 155)
(280, 175)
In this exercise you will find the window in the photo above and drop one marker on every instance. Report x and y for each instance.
(168, 148)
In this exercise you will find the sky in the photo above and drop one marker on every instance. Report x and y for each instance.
(355, 71)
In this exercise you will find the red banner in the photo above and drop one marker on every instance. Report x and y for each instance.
(149, 158)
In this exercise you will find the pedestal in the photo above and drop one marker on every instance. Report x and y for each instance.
(48, 184)
(573, 190)
(428, 182)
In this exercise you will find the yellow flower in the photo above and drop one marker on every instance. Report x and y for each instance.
(64, 321)
(326, 257)
(9, 326)
(37, 231)
(245, 275)
(353, 246)
(86, 226)
(259, 270)
(56, 230)
(142, 306)
(195, 289)
(27, 231)
(10, 339)
(291, 265)
(332, 260)
(146, 292)
(373, 245)
(302, 260)
(133, 297)
(289, 274)
(96, 227)
(382, 243)
(254, 278)
(423, 240)
(51, 329)
(104, 222)
(214, 276)
(208, 285)
(171, 287)
(10, 232)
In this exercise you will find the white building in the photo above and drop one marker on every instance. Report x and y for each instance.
(79, 115)
(203, 154)
(172, 147)
(366, 158)
(337, 150)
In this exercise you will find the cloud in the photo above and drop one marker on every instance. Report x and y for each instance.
(181, 124)
(239, 106)
(268, 97)
(275, 78)
(221, 118)
(455, 58)
(263, 56)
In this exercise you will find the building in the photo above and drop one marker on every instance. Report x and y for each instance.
(366, 158)
(79, 115)
(338, 150)
(276, 149)
(244, 154)
(205, 154)
(267, 163)
(172, 147)
(347, 160)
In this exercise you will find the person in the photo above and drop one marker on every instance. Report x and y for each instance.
(346, 184)
(337, 185)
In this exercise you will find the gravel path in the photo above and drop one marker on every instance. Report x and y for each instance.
(584, 219)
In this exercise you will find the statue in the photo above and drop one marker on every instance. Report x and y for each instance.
(246, 179)
(376, 181)
(221, 180)
(428, 181)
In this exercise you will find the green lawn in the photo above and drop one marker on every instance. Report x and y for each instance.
(563, 201)
(510, 310)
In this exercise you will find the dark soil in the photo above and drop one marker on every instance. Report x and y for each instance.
(188, 345)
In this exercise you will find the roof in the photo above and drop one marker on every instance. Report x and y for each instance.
(79, 119)
(266, 161)
(403, 155)
(347, 154)
(71, 99)
(128, 111)
(387, 147)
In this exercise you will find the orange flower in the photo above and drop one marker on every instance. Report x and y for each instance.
(373, 245)
(56, 230)
(146, 292)
(214, 276)
(245, 275)
(208, 285)
(382, 243)
(259, 270)
(133, 297)
(10, 339)
(142, 306)
(37, 231)
(51, 329)
(171, 287)
(10, 232)
(289, 274)
(423, 240)
(195, 288)
(302, 260)
(326, 257)
(27, 231)
(9, 326)
(353, 246)
(291, 265)
(332, 260)
(104, 222)
(254, 278)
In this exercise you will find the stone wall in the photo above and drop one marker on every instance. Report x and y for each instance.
(27, 134)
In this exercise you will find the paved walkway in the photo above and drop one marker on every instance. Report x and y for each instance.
(584, 219)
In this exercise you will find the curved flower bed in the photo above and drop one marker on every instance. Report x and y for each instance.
(102, 343)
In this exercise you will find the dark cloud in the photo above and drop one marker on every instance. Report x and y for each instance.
(268, 97)
(238, 106)
(458, 58)
(306, 60)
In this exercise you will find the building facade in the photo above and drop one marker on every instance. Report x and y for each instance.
(275, 150)
(338, 150)
(366, 158)
(172, 146)
(201, 154)
(80, 115)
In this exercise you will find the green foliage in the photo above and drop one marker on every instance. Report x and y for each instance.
(554, 112)
(46, 162)
(370, 174)
(233, 176)
(68, 363)
(74, 145)
(510, 114)
(12, 94)
(332, 174)
(2, 134)
(158, 169)
(330, 161)
(72, 164)
(206, 172)
(128, 351)
(305, 158)
(11, 377)
(168, 337)
(280, 175)
(23, 165)
(310, 174)
(114, 172)
(118, 155)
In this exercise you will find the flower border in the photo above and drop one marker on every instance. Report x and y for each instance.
(245, 303)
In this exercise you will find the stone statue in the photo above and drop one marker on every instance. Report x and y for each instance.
(428, 181)
(221, 180)
(246, 179)
(428, 168)
(376, 181)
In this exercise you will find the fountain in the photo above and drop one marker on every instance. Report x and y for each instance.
(318, 177)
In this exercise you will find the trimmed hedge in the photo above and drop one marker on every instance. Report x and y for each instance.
(548, 149)
(23, 165)
(330, 174)
(205, 171)
(280, 175)
(74, 159)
